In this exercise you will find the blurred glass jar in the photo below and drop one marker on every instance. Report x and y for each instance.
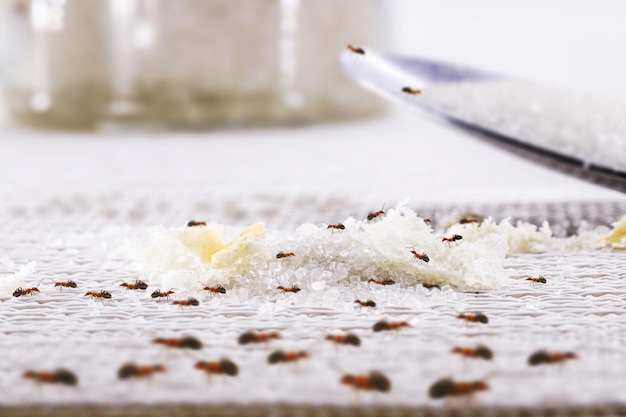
(184, 63)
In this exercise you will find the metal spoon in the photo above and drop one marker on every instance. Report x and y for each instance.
(388, 74)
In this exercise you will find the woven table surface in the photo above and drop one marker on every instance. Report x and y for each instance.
(69, 201)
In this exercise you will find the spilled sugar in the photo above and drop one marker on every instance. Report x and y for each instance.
(326, 260)
(588, 126)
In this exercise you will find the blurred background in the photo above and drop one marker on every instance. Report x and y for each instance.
(246, 96)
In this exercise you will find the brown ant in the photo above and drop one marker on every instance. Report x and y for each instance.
(98, 294)
(412, 91)
(130, 370)
(338, 226)
(431, 286)
(60, 376)
(218, 289)
(470, 220)
(137, 285)
(293, 288)
(279, 356)
(542, 356)
(479, 351)
(455, 238)
(422, 257)
(284, 255)
(161, 294)
(447, 387)
(366, 303)
(355, 49)
(374, 214)
(65, 284)
(186, 303)
(251, 337)
(375, 381)
(25, 291)
(188, 342)
(348, 339)
(386, 281)
(381, 325)
(537, 280)
(193, 223)
(223, 367)
(474, 317)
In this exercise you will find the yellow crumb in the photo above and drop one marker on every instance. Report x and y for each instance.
(617, 237)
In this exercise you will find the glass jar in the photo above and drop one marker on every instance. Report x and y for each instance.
(183, 63)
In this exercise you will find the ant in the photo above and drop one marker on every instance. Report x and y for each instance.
(470, 220)
(131, 370)
(293, 289)
(474, 317)
(338, 226)
(381, 325)
(188, 302)
(537, 280)
(367, 303)
(455, 238)
(374, 214)
(348, 339)
(251, 337)
(386, 281)
(284, 255)
(542, 356)
(280, 356)
(375, 381)
(422, 257)
(66, 284)
(447, 387)
(216, 289)
(60, 376)
(161, 294)
(137, 285)
(479, 351)
(412, 91)
(193, 223)
(98, 294)
(355, 49)
(25, 291)
(431, 286)
(223, 367)
(188, 342)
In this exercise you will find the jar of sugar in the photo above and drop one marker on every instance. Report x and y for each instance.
(183, 63)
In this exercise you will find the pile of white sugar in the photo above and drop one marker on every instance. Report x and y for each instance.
(325, 260)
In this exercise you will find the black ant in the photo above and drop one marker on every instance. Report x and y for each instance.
(386, 281)
(130, 370)
(25, 291)
(412, 91)
(422, 256)
(455, 238)
(161, 294)
(60, 376)
(355, 49)
(137, 285)
(188, 342)
(366, 303)
(98, 294)
(223, 367)
(375, 381)
(479, 351)
(293, 288)
(194, 223)
(348, 339)
(447, 387)
(474, 317)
